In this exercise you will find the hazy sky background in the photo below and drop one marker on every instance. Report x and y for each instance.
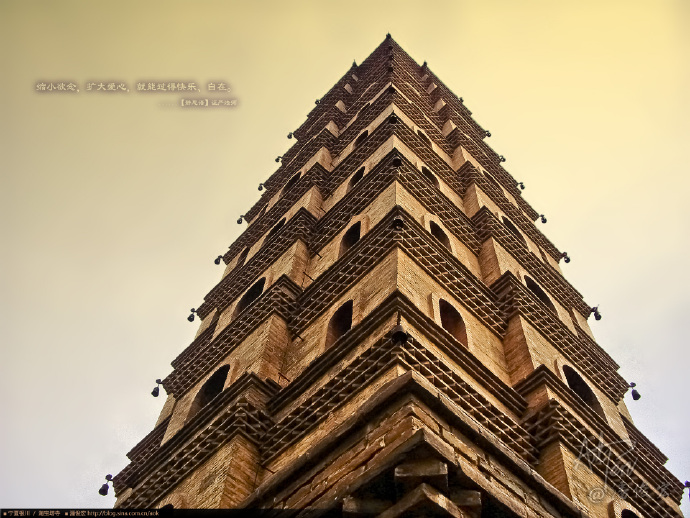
(114, 206)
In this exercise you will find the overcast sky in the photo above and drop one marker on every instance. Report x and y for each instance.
(114, 205)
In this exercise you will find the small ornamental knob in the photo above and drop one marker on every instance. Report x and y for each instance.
(595, 311)
(398, 335)
(398, 224)
(103, 491)
(635, 394)
(156, 390)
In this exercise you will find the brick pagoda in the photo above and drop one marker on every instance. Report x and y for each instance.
(392, 336)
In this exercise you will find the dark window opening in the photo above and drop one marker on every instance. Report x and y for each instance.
(514, 230)
(583, 391)
(361, 139)
(431, 177)
(292, 181)
(452, 322)
(539, 293)
(439, 234)
(250, 296)
(209, 390)
(350, 238)
(493, 182)
(355, 178)
(340, 323)
(425, 139)
(243, 257)
(274, 230)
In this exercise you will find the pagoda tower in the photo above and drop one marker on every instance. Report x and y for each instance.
(392, 336)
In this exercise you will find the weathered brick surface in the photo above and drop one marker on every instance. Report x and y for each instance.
(299, 425)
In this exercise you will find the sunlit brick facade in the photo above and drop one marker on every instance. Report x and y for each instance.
(393, 336)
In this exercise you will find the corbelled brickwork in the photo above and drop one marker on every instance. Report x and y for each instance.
(393, 336)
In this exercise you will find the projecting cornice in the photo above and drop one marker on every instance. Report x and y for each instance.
(488, 226)
(554, 422)
(421, 246)
(410, 388)
(625, 450)
(235, 411)
(300, 226)
(413, 101)
(514, 298)
(195, 363)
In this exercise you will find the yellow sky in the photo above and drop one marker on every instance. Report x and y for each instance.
(115, 206)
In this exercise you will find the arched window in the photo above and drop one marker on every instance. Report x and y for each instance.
(439, 234)
(292, 181)
(355, 178)
(209, 390)
(539, 293)
(580, 387)
(274, 230)
(514, 230)
(452, 322)
(340, 323)
(242, 257)
(425, 139)
(493, 182)
(250, 296)
(431, 177)
(361, 138)
(350, 238)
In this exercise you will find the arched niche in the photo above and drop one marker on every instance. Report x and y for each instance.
(539, 293)
(242, 257)
(580, 387)
(355, 179)
(350, 238)
(452, 321)
(290, 183)
(250, 296)
(339, 324)
(514, 230)
(439, 234)
(362, 137)
(276, 228)
(209, 390)
(431, 177)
